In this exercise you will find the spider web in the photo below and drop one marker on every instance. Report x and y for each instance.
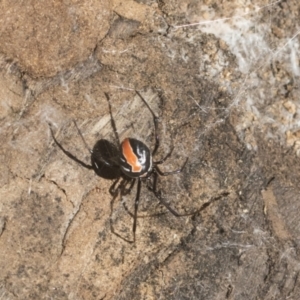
(259, 46)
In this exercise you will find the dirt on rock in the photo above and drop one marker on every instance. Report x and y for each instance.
(223, 78)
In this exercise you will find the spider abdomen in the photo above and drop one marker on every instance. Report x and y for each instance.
(136, 158)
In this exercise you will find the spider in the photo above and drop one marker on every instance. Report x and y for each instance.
(130, 162)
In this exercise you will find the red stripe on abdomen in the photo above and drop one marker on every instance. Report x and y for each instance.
(130, 156)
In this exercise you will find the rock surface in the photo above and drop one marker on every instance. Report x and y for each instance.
(224, 80)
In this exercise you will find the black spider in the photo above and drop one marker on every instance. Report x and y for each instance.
(131, 161)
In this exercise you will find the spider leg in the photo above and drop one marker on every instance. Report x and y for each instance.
(165, 158)
(164, 203)
(113, 123)
(136, 204)
(113, 190)
(146, 216)
(127, 191)
(67, 153)
(155, 120)
(156, 168)
(120, 188)
(79, 132)
(153, 189)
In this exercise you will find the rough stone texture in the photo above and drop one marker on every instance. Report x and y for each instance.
(224, 80)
